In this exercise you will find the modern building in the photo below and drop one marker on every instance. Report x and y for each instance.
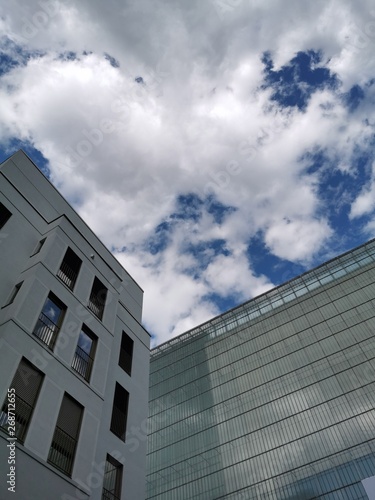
(274, 399)
(74, 357)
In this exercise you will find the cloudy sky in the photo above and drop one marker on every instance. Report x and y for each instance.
(217, 147)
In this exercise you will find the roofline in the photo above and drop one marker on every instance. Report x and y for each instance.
(242, 305)
(74, 210)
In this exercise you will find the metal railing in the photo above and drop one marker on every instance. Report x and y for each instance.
(283, 294)
(46, 330)
(96, 306)
(22, 414)
(62, 451)
(108, 495)
(82, 363)
(67, 275)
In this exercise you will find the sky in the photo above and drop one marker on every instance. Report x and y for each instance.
(218, 148)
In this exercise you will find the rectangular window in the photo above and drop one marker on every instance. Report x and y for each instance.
(50, 320)
(85, 352)
(5, 215)
(120, 412)
(97, 298)
(65, 437)
(69, 268)
(126, 353)
(38, 247)
(112, 479)
(21, 398)
(13, 295)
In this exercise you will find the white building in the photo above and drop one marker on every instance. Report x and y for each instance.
(73, 353)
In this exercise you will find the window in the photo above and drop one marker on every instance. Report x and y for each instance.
(13, 295)
(50, 320)
(5, 215)
(38, 247)
(120, 412)
(97, 298)
(65, 437)
(25, 388)
(85, 351)
(69, 268)
(112, 479)
(126, 353)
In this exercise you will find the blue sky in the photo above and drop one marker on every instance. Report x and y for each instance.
(218, 148)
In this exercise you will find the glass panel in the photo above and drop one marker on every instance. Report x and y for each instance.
(5, 215)
(69, 268)
(21, 401)
(49, 321)
(84, 356)
(65, 437)
(112, 479)
(98, 298)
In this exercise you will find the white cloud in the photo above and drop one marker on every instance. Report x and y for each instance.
(365, 201)
(122, 151)
(231, 275)
(297, 240)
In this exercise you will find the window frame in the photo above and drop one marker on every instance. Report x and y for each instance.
(67, 272)
(57, 454)
(38, 247)
(26, 403)
(77, 364)
(115, 492)
(50, 333)
(13, 294)
(125, 360)
(96, 303)
(120, 409)
(5, 215)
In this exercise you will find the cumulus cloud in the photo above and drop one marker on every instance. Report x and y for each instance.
(296, 240)
(195, 127)
(364, 204)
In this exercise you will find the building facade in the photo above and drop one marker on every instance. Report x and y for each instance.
(74, 355)
(274, 399)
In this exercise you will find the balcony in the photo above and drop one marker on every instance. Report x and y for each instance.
(82, 363)
(112, 479)
(62, 451)
(46, 330)
(96, 306)
(22, 415)
(108, 495)
(67, 275)
(97, 298)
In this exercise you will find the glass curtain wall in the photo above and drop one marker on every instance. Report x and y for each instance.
(274, 399)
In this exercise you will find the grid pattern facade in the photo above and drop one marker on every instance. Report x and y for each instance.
(274, 399)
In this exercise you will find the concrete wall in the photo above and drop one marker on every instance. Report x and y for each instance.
(39, 211)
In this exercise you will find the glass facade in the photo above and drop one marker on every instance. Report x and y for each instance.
(274, 399)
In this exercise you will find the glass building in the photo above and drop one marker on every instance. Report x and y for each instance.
(274, 399)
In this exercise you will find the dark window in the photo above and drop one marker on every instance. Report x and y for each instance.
(112, 479)
(50, 320)
(21, 398)
(97, 298)
(69, 268)
(38, 247)
(126, 353)
(120, 412)
(65, 437)
(5, 215)
(85, 351)
(13, 295)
